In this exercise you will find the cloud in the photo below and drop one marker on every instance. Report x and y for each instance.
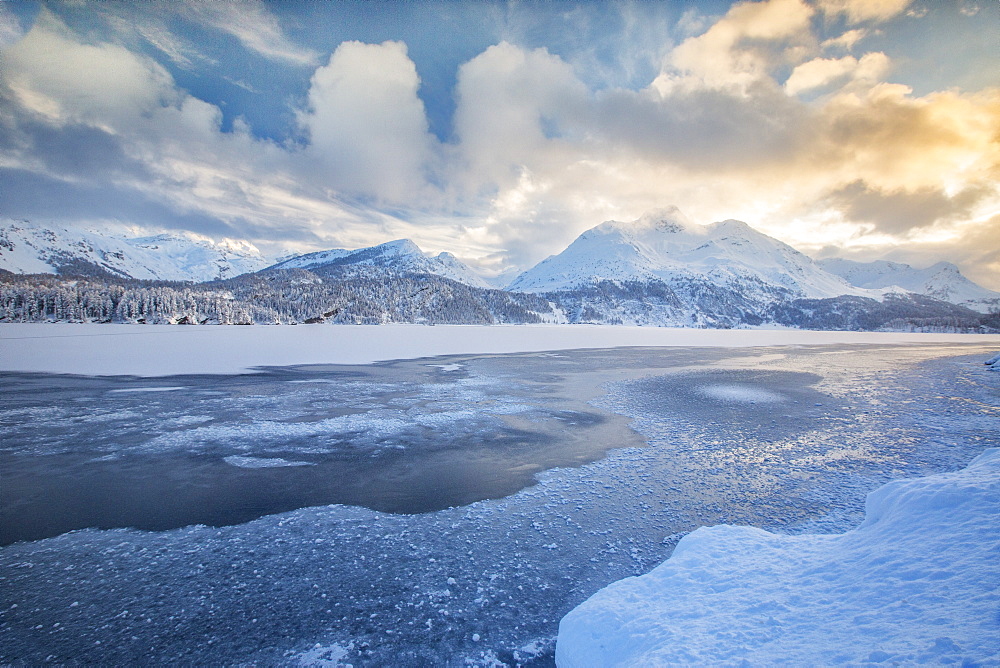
(821, 72)
(738, 50)
(514, 108)
(252, 24)
(975, 247)
(10, 26)
(53, 74)
(858, 11)
(846, 41)
(36, 196)
(81, 114)
(367, 127)
(72, 151)
(752, 117)
(900, 211)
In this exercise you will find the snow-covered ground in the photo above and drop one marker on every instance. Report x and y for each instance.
(917, 583)
(788, 439)
(161, 350)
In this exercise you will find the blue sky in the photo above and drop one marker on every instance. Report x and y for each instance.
(501, 130)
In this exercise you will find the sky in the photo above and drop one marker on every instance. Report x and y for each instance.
(499, 131)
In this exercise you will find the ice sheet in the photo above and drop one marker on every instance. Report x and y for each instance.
(372, 588)
(158, 350)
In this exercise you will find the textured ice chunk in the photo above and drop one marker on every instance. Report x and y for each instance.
(261, 462)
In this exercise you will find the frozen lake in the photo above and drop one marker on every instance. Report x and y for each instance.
(476, 498)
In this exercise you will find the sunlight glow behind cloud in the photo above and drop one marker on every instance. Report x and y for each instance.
(783, 113)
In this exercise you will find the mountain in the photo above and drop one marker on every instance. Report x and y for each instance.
(402, 256)
(662, 269)
(663, 245)
(26, 248)
(941, 281)
(659, 270)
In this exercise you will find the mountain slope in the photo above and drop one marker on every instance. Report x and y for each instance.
(401, 255)
(664, 245)
(662, 269)
(941, 281)
(31, 249)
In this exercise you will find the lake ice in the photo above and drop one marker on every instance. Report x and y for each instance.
(517, 490)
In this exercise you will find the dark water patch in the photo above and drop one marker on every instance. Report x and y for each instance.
(164, 453)
(49, 495)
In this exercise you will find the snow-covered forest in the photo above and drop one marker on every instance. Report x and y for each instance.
(358, 296)
(369, 295)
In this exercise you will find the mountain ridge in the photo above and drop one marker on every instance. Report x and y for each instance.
(399, 255)
(27, 248)
(658, 270)
(942, 280)
(663, 245)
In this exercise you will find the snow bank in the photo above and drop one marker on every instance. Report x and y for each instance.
(160, 350)
(917, 582)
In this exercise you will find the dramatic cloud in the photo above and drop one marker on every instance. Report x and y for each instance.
(514, 106)
(785, 113)
(902, 210)
(740, 49)
(55, 75)
(366, 125)
(78, 112)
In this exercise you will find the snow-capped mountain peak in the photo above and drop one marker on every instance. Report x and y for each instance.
(400, 255)
(27, 248)
(942, 280)
(663, 245)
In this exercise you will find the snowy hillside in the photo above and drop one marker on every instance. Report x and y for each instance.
(401, 255)
(915, 583)
(663, 245)
(33, 249)
(664, 270)
(942, 281)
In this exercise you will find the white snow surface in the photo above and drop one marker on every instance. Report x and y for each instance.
(664, 245)
(163, 350)
(401, 255)
(942, 281)
(26, 248)
(916, 582)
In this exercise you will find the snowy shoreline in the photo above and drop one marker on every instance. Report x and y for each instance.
(916, 582)
(163, 350)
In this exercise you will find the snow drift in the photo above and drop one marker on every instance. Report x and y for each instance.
(916, 582)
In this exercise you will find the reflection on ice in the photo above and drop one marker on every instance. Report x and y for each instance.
(740, 393)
